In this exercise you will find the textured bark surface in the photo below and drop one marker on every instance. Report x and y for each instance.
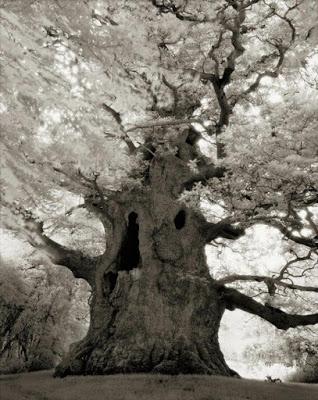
(153, 308)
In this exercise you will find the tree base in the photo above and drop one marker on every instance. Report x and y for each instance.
(167, 327)
(161, 356)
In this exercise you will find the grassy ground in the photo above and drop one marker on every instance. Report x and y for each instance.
(41, 386)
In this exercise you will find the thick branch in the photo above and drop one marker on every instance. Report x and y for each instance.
(220, 83)
(81, 266)
(275, 316)
(221, 229)
(205, 173)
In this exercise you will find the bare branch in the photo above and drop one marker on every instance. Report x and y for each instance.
(275, 316)
(284, 229)
(285, 271)
(117, 118)
(269, 281)
(160, 123)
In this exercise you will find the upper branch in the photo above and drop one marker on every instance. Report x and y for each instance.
(220, 83)
(205, 173)
(98, 196)
(288, 225)
(275, 316)
(279, 280)
(284, 272)
(269, 281)
(164, 122)
(278, 45)
(289, 234)
(117, 118)
(174, 90)
(270, 73)
(179, 11)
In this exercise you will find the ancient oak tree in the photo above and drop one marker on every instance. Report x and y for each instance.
(144, 110)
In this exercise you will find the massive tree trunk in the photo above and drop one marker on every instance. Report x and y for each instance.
(154, 307)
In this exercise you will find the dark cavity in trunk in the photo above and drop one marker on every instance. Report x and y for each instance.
(180, 220)
(130, 254)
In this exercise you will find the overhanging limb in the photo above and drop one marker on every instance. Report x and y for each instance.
(282, 320)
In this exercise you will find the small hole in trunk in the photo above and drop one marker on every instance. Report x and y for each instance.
(180, 219)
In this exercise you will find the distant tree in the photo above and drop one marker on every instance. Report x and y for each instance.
(37, 316)
(148, 111)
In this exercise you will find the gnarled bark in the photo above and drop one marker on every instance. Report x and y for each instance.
(153, 307)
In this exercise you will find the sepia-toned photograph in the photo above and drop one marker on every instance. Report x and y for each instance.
(159, 200)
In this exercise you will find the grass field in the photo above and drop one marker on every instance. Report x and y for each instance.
(42, 386)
